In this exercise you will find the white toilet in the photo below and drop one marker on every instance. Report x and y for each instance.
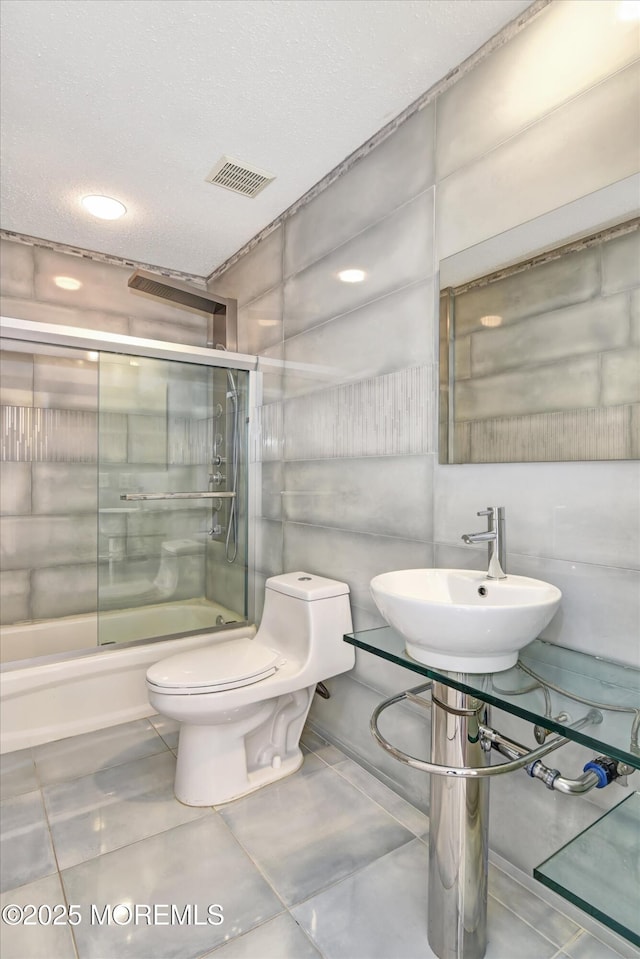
(243, 702)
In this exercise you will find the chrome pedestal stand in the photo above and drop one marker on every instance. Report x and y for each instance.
(461, 741)
(458, 838)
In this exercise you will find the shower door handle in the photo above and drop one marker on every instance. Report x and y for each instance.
(206, 495)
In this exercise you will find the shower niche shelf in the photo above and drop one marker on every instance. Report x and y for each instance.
(598, 870)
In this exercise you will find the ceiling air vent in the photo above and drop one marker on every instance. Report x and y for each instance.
(239, 177)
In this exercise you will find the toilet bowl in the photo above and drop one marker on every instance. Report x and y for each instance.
(242, 703)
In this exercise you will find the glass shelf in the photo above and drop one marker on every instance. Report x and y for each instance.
(610, 687)
(610, 849)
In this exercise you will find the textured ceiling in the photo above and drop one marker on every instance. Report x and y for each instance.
(138, 99)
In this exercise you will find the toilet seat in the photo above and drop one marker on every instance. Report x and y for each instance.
(239, 662)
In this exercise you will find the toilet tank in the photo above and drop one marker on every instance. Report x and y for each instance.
(305, 617)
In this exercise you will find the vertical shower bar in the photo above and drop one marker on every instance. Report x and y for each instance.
(458, 839)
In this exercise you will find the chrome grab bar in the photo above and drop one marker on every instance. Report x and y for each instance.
(137, 496)
(488, 735)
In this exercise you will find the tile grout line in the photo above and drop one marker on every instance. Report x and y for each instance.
(387, 811)
(370, 225)
(58, 870)
(92, 772)
(580, 932)
(286, 909)
(560, 948)
(534, 928)
(336, 881)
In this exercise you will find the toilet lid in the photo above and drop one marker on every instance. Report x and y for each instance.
(228, 665)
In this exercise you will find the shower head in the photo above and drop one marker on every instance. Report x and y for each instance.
(222, 309)
(179, 293)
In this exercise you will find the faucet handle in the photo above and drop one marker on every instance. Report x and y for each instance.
(489, 511)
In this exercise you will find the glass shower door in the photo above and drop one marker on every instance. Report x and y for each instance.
(172, 498)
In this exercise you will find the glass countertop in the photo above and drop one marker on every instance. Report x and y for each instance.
(610, 850)
(564, 681)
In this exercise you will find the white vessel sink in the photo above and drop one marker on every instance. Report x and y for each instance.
(457, 619)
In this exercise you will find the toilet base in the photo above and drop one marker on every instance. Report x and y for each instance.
(253, 781)
(224, 761)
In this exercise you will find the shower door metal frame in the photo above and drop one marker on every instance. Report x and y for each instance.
(53, 335)
(50, 334)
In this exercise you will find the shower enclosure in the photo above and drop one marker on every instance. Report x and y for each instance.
(124, 489)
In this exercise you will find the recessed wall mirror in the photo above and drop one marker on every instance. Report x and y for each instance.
(540, 361)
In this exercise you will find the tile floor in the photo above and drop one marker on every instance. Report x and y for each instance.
(327, 863)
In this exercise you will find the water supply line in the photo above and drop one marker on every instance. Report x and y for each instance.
(597, 773)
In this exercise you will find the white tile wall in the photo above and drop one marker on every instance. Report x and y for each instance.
(16, 379)
(15, 489)
(351, 557)
(344, 719)
(529, 77)
(635, 317)
(14, 589)
(385, 415)
(58, 486)
(543, 167)
(16, 277)
(24, 309)
(33, 542)
(64, 591)
(255, 273)
(104, 288)
(173, 331)
(394, 252)
(384, 495)
(271, 490)
(65, 383)
(365, 342)
(400, 168)
(260, 322)
(269, 547)
(583, 512)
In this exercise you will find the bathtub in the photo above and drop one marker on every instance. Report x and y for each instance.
(96, 688)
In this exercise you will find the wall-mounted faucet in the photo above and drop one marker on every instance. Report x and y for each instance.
(495, 538)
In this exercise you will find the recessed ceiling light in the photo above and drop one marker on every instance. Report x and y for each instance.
(93, 355)
(104, 207)
(67, 282)
(351, 276)
(491, 320)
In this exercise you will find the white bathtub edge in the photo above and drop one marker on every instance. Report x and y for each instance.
(43, 703)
